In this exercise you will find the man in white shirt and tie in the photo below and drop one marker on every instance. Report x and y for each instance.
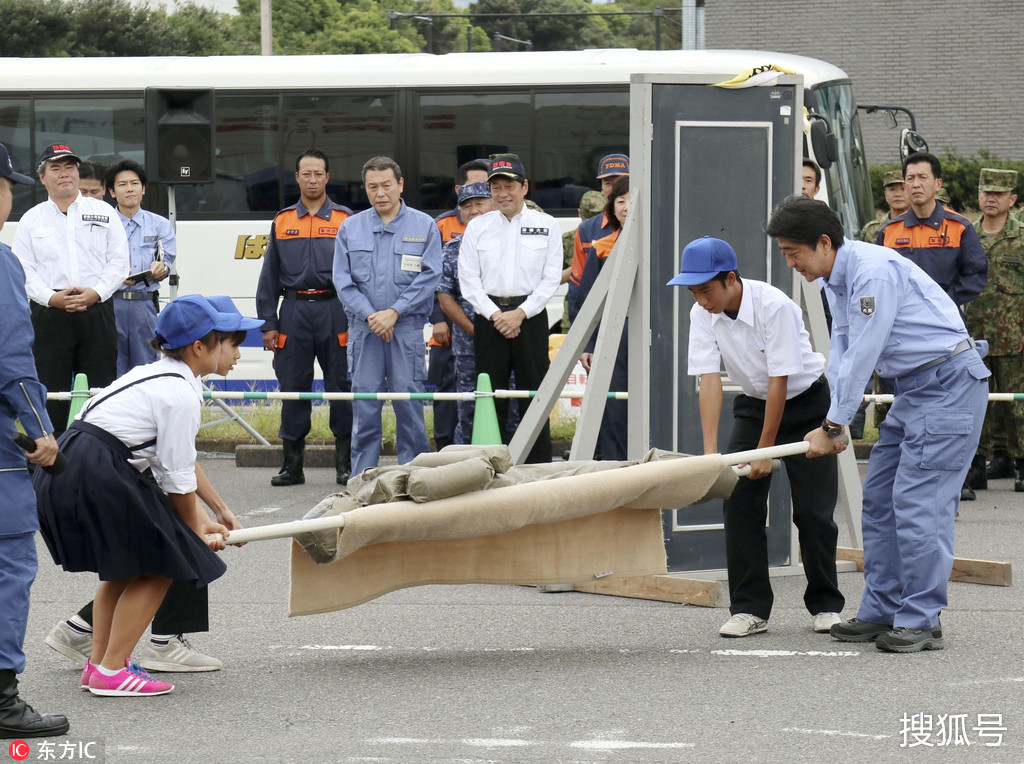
(510, 265)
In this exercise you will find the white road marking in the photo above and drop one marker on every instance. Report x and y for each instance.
(262, 511)
(998, 680)
(341, 647)
(623, 745)
(786, 653)
(839, 733)
(497, 743)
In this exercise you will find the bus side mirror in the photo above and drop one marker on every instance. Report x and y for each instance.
(823, 141)
(911, 143)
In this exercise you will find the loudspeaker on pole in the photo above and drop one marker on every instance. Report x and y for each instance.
(179, 135)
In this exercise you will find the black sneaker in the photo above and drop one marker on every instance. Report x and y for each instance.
(1001, 466)
(856, 630)
(967, 493)
(904, 640)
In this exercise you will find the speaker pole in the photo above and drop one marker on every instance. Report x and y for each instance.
(172, 215)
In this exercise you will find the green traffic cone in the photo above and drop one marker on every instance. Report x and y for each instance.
(485, 416)
(79, 395)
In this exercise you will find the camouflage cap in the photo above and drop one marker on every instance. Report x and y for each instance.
(892, 177)
(943, 195)
(591, 204)
(992, 179)
(534, 206)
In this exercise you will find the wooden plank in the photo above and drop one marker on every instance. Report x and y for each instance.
(667, 588)
(965, 571)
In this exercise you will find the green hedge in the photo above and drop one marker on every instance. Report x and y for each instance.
(959, 177)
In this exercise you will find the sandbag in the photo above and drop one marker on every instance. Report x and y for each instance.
(322, 545)
(499, 456)
(431, 484)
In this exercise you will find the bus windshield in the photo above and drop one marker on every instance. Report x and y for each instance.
(847, 180)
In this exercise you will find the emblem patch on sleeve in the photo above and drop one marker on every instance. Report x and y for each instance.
(867, 305)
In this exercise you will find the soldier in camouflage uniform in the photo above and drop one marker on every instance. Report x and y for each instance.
(591, 204)
(997, 315)
(898, 202)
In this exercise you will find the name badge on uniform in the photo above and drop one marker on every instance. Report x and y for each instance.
(95, 218)
(418, 239)
(149, 239)
(529, 231)
(867, 305)
(903, 241)
(412, 264)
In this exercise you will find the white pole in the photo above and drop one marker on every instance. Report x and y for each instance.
(266, 36)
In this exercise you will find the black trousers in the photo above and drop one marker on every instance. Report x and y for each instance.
(441, 374)
(814, 484)
(73, 343)
(185, 610)
(527, 355)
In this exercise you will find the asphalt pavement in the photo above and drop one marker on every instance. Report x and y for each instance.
(509, 674)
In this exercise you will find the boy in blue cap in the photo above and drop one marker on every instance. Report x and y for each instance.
(757, 331)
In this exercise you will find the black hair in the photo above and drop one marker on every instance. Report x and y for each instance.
(125, 165)
(465, 169)
(805, 221)
(722, 276)
(90, 171)
(236, 338)
(920, 156)
(619, 188)
(817, 170)
(211, 338)
(378, 164)
(313, 154)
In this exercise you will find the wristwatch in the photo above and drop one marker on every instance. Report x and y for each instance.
(832, 430)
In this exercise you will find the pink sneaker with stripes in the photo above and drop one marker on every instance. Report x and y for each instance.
(131, 680)
(87, 672)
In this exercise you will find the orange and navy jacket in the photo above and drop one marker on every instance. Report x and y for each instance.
(450, 225)
(945, 246)
(599, 251)
(300, 255)
(589, 231)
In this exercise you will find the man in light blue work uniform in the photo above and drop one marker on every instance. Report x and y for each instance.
(23, 397)
(890, 316)
(151, 248)
(387, 262)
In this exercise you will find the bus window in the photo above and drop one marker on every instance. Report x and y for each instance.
(457, 127)
(14, 111)
(572, 131)
(246, 156)
(350, 129)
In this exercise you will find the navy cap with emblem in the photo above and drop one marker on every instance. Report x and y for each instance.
(702, 260)
(57, 151)
(477, 190)
(612, 165)
(507, 166)
(7, 169)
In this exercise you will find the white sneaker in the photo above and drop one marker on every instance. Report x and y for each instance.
(823, 622)
(75, 645)
(177, 656)
(743, 625)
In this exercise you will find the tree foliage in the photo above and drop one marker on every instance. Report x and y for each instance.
(46, 28)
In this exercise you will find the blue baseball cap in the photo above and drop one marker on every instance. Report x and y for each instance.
(224, 304)
(191, 318)
(612, 165)
(702, 260)
(478, 190)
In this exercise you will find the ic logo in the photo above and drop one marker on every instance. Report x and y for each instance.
(19, 750)
(186, 172)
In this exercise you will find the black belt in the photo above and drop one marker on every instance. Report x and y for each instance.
(134, 295)
(309, 295)
(508, 302)
(962, 347)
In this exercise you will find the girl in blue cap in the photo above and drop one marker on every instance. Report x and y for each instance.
(104, 515)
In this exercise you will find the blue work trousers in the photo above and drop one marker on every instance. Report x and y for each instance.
(912, 490)
(313, 331)
(17, 572)
(136, 326)
(378, 366)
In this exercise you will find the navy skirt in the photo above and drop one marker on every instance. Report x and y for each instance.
(102, 515)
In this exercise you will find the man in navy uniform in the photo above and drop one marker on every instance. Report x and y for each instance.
(889, 315)
(25, 399)
(310, 322)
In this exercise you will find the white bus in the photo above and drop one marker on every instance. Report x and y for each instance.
(560, 111)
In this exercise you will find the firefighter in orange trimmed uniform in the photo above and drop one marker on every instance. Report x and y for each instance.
(303, 319)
